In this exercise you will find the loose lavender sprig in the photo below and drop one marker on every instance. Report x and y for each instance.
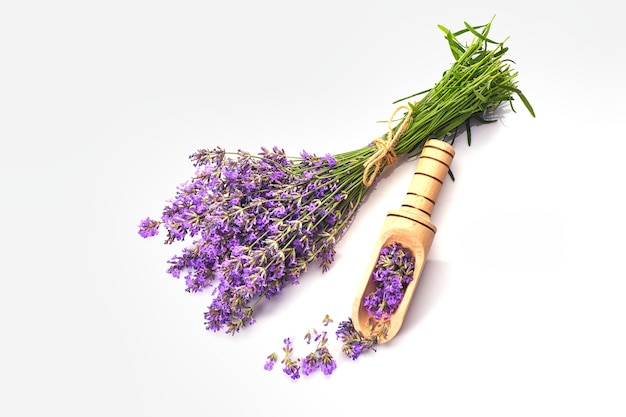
(353, 342)
(272, 358)
(290, 366)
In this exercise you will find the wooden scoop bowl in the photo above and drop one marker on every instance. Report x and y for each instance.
(410, 227)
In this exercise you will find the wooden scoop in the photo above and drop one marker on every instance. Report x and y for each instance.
(410, 227)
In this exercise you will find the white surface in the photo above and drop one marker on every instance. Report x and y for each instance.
(520, 310)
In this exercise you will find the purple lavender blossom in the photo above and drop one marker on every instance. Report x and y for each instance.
(149, 227)
(320, 358)
(291, 367)
(310, 363)
(391, 275)
(271, 360)
(257, 223)
(326, 361)
(353, 342)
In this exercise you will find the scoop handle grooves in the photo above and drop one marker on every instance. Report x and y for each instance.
(430, 173)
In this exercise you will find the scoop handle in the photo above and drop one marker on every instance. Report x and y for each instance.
(431, 171)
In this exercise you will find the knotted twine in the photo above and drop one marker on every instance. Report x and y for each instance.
(385, 147)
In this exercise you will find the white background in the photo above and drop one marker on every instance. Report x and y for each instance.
(520, 310)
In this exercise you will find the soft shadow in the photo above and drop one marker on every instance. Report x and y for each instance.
(430, 289)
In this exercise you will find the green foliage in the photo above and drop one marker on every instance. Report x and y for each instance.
(478, 82)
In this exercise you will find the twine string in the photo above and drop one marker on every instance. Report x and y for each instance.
(385, 147)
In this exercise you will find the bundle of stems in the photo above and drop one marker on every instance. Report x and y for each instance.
(260, 220)
(478, 82)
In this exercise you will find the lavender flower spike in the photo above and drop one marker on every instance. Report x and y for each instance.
(257, 223)
(291, 367)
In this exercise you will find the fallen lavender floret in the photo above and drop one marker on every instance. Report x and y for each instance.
(271, 360)
(319, 359)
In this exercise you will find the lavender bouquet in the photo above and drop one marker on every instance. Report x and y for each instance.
(256, 222)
